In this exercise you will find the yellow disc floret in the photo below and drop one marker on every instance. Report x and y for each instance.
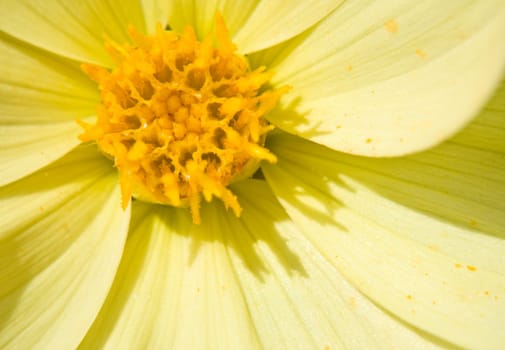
(181, 118)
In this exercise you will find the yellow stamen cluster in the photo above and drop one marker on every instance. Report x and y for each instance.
(181, 118)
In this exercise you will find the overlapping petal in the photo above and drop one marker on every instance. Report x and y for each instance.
(383, 79)
(254, 25)
(41, 95)
(73, 29)
(61, 238)
(421, 235)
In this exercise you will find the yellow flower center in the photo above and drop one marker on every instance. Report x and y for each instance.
(182, 119)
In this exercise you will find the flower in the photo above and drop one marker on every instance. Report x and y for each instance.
(339, 244)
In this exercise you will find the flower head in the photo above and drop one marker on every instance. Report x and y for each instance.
(364, 220)
(180, 118)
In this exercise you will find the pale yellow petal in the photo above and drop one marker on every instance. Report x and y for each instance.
(296, 298)
(62, 233)
(42, 95)
(175, 288)
(73, 29)
(422, 236)
(383, 79)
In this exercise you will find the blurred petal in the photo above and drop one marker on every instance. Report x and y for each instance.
(383, 79)
(42, 95)
(73, 29)
(175, 288)
(422, 235)
(62, 232)
(254, 25)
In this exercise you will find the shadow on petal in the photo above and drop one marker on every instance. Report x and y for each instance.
(258, 224)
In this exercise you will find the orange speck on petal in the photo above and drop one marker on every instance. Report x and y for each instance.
(433, 246)
(421, 54)
(471, 268)
(391, 26)
(352, 302)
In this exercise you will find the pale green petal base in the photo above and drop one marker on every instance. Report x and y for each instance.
(422, 236)
(202, 16)
(253, 25)
(62, 232)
